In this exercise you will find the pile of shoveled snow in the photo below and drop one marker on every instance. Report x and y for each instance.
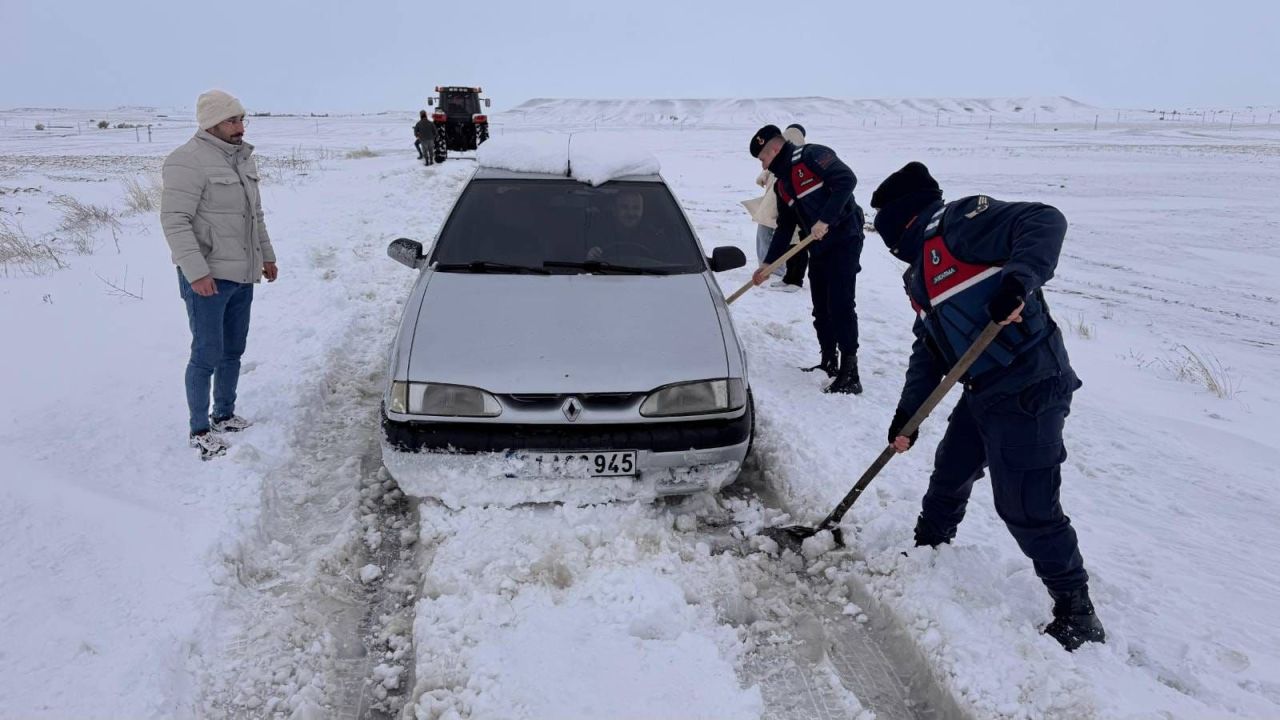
(574, 613)
(591, 158)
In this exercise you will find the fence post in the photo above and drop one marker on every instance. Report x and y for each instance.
(1232, 123)
(937, 118)
(137, 137)
(1095, 122)
(148, 133)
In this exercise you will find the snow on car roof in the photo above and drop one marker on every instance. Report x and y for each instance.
(591, 158)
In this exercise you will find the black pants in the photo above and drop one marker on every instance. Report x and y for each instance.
(1020, 439)
(833, 277)
(796, 268)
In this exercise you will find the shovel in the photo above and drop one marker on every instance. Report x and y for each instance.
(792, 537)
(772, 266)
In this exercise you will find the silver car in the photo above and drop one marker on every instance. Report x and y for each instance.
(565, 343)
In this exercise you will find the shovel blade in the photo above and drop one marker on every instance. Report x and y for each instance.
(792, 537)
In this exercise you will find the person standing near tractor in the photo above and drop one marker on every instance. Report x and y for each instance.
(425, 138)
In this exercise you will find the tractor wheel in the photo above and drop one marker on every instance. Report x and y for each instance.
(482, 133)
(441, 146)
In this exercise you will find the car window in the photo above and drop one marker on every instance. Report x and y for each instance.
(556, 224)
(462, 104)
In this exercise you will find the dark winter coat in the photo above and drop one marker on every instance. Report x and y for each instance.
(965, 249)
(813, 184)
(425, 130)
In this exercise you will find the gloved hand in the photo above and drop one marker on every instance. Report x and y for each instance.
(900, 419)
(1008, 299)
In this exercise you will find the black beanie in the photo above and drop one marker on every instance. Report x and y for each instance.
(902, 196)
(913, 178)
(799, 127)
(763, 136)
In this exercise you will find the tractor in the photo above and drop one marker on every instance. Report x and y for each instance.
(459, 123)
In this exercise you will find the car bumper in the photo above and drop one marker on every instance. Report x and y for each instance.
(491, 464)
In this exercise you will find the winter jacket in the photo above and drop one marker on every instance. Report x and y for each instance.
(425, 130)
(966, 248)
(813, 184)
(211, 211)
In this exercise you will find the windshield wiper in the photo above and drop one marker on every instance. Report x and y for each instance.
(607, 268)
(488, 266)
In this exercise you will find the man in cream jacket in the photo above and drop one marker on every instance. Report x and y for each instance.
(211, 212)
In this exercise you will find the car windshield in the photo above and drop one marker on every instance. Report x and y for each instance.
(566, 227)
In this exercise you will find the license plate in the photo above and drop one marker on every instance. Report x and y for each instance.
(613, 463)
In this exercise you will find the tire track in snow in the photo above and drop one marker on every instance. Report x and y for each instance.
(307, 626)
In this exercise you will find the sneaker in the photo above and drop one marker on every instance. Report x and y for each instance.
(235, 423)
(782, 286)
(210, 445)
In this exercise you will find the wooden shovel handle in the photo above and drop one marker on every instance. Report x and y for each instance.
(935, 397)
(771, 267)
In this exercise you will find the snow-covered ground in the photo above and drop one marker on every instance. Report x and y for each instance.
(292, 578)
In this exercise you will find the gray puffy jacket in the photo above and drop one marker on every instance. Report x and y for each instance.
(211, 211)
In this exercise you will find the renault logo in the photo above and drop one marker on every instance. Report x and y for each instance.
(572, 409)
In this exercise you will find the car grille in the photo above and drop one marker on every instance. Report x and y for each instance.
(483, 437)
(590, 401)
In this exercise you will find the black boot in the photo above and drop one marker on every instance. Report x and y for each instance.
(846, 382)
(1074, 622)
(926, 536)
(830, 364)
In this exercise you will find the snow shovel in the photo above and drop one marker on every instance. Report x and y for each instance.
(772, 266)
(792, 537)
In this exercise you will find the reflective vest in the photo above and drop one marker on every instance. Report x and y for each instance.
(950, 297)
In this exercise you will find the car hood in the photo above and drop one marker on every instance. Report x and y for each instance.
(566, 333)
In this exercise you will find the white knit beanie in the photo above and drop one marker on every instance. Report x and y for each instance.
(215, 106)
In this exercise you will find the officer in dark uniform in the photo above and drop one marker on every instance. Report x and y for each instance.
(973, 261)
(815, 192)
(425, 138)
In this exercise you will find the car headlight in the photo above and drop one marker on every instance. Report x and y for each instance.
(695, 398)
(444, 400)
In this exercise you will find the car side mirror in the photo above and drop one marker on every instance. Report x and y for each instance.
(406, 252)
(431, 102)
(727, 257)
(486, 102)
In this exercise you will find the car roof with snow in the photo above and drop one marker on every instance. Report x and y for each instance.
(592, 158)
(490, 173)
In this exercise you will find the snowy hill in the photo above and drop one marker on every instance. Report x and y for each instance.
(744, 111)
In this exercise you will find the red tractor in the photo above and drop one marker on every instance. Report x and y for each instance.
(459, 123)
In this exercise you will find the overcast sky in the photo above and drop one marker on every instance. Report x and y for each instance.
(385, 54)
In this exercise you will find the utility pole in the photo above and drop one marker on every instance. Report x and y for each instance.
(1095, 122)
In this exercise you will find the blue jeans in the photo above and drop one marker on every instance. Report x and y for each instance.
(219, 330)
(764, 236)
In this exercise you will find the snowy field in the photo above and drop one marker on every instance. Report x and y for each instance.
(293, 579)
